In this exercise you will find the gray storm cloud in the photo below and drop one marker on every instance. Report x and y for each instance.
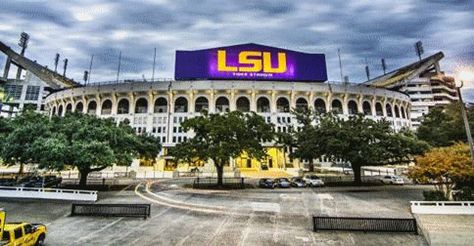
(361, 29)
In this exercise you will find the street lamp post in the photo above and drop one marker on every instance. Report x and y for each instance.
(466, 122)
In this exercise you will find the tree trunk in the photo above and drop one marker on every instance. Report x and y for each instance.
(220, 173)
(356, 170)
(83, 178)
(311, 165)
(20, 170)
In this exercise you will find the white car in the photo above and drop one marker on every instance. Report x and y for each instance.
(392, 179)
(313, 181)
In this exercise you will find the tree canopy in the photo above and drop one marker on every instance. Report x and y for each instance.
(76, 140)
(444, 166)
(219, 137)
(443, 126)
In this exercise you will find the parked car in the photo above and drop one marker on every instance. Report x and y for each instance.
(392, 179)
(7, 182)
(266, 183)
(298, 182)
(313, 181)
(282, 182)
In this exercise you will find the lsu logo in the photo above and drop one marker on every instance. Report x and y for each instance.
(253, 61)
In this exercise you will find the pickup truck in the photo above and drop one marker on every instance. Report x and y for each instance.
(21, 233)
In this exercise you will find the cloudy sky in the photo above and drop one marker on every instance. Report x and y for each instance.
(362, 29)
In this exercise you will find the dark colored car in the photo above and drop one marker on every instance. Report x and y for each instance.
(283, 183)
(266, 183)
(298, 182)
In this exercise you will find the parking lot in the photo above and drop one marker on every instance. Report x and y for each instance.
(240, 217)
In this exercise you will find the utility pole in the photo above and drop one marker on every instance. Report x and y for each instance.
(384, 66)
(466, 122)
(119, 63)
(154, 62)
(56, 62)
(65, 67)
(23, 43)
(90, 70)
(340, 64)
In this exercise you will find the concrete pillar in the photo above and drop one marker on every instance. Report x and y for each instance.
(253, 101)
(232, 104)
(191, 103)
(212, 102)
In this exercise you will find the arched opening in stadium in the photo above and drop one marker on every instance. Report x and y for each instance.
(79, 107)
(301, 104)
(243, 104)
(283, 105)
(388, 108)
(366, 107)
(181, 105)
(123, 106)
(397, 112)
(106, 107)
(202, 104)
(161, 105)
(378, 109)
(263, 105)
(141, 106)
(336, 106)
(60, 110)
(320, 106)
(352, 107)
(222, 104)
(92, 107)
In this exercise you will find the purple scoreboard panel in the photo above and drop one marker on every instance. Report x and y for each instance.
(250, 62)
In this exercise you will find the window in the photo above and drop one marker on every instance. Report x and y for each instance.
(320, 106)
(283, 106)
(123, 107)
(14, 91)
(378, 109)
(301, 104)
(18, 233)
(181, 105)
(388, 108)
(243, 104)
(91, 107)
(141, 106)
(68, 108)
(222, 104)
(336, 106)
(106, 107)
(263, 105)
(161, 105)
(202, 104)
(32, 92)
(28, 229)
(366, 108)
(6, 236)
(79, 107)
(352, 106)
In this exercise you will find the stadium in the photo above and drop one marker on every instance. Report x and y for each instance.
(212, 80)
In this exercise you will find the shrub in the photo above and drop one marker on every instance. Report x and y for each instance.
(434, 195)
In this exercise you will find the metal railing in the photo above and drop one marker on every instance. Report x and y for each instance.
(442, 207)
(47, 193)
(210, 182)
(111, 210)
(365, 224)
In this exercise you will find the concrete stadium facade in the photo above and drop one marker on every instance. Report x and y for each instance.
(159, 107)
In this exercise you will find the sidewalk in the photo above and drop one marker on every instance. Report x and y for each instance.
(447, 229)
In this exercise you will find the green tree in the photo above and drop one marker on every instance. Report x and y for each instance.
(91, 144)
(219, 137)
(443, 125)
(365, 142)
(304, 141)
(19, 133)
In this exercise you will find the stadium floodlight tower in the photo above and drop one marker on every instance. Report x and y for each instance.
(23, 43)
